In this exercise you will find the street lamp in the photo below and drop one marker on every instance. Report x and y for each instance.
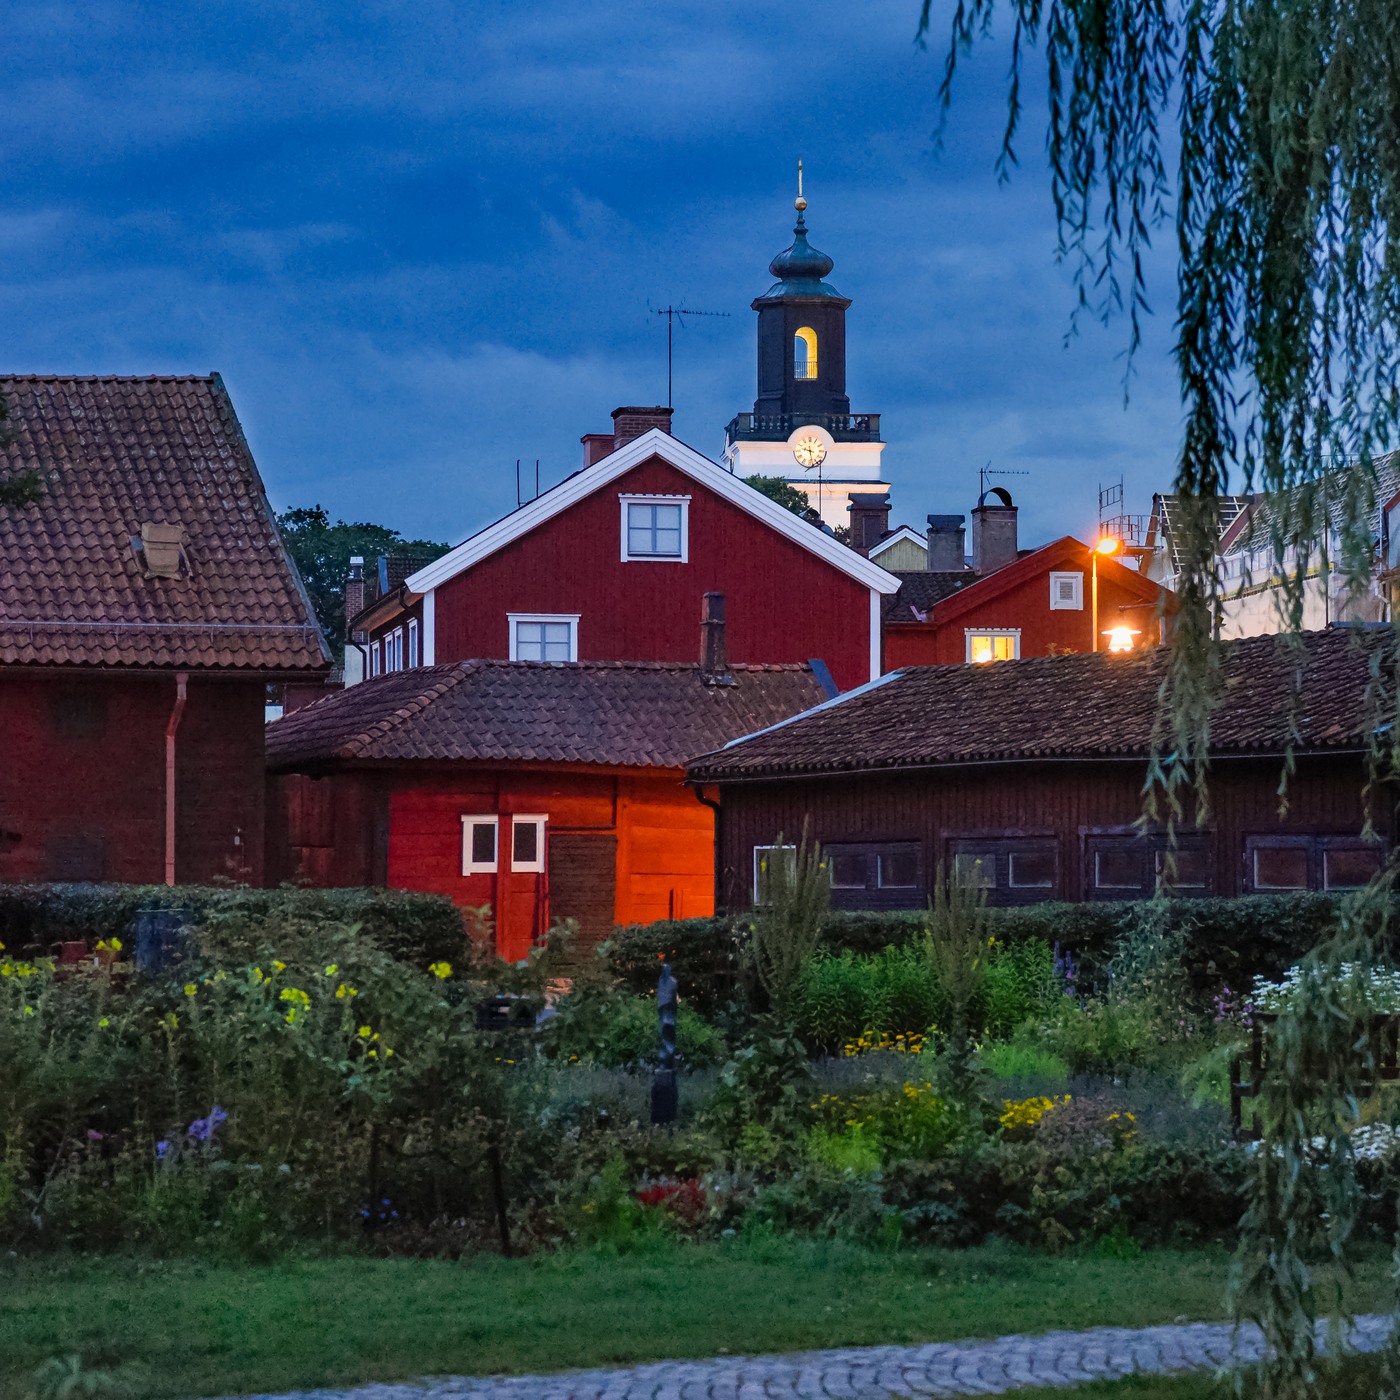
(1107, 546)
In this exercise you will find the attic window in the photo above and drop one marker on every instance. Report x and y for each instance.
(163, 550)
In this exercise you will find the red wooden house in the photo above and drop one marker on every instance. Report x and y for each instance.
(609, 564)
(547, 790)
(146, 601)
(1031, 774)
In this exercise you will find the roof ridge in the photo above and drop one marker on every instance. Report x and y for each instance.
(209, 378)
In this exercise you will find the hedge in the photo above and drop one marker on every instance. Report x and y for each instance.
(419, 928)
(1227, 941)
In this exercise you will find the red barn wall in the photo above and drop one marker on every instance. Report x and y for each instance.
(82, 785)
(664, 840)
(784, 604)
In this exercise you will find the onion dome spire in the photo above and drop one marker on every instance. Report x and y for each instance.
(801, 267)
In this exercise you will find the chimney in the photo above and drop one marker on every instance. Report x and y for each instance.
(714, 659)
(947, 549)
(596, 446)
(870, 520)
(354, 590)
(629, 423)
(993, 532)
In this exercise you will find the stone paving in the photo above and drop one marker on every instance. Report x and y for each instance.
(991, 1367)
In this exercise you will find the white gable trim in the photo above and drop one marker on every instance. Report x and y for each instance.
(905, 532)
(653, 443)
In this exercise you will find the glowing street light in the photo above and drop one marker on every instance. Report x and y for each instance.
(1121, 638)
(1107, 546)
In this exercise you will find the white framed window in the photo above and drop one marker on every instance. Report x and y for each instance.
(376, 659)
(393, 650)
(414, 655)
(527, 843)
(1066, 592)
(480, 839)
(655, 529)
(993, 643)
(543, 636)
(763, 856)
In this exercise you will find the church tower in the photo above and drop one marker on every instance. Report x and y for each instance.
(802, 427)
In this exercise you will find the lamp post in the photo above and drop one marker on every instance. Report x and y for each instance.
(1107, 546)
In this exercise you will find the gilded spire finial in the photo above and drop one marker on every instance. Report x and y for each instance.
(800, 202)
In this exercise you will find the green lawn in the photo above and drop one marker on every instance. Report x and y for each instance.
(198, 1329)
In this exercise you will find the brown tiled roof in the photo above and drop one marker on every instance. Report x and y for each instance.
(623, 713)
(1083, 706)
(920, 589)
(117, 453)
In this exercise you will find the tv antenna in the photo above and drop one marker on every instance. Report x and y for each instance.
(672, 315)
(519, 497)
(989, 470)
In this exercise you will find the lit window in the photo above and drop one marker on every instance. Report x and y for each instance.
(527, 843)
(479, 835)
(804, 354)
(655, 528)
(1066, 592)
(993, 644)
(543, 638)
(413, 654)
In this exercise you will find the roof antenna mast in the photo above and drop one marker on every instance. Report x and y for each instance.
(672, 315)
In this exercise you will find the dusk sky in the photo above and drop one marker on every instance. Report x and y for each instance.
(422, 241)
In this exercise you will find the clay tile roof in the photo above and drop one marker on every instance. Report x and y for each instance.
(920, 589)
(1082, 706)
(620, 713)
(116, 454)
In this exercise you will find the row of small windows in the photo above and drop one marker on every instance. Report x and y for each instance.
(1029, 869)
(398, 650)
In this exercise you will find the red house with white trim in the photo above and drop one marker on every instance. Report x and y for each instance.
(611, 564)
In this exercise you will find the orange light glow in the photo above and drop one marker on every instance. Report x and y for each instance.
(982, 654)
(1107, 545)
(1120, 638)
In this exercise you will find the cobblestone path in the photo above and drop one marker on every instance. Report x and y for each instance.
(991, 1367)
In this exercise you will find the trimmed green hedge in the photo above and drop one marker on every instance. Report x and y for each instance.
(1228, 941)
(418, 928)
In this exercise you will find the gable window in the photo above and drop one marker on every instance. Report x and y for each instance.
(1012, 869)
(1066, 592)
(804, 353)
(543, 637)
(1278, 864)
(479, 838)
(655, 528)
(393, 650)
(1126, 866)
(876, 875)
(527, 843)
(993, 643)
(376, 659)
(413, 653)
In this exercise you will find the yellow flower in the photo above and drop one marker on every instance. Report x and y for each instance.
(278, 966)
(104, 1023)
(441, 970)
(28, 1010)
(366, 1032)
(342, 991)
(191, 989)
(332, 969)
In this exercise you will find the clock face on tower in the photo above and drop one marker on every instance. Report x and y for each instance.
(809, 451)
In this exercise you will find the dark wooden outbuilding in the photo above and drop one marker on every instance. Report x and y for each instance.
(1032, 773)
(146, 601)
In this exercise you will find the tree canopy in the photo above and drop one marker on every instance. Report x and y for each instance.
(323, 548)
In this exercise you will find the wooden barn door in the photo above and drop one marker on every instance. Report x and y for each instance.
(583, 882)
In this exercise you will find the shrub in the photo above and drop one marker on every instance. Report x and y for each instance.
(418, 928)
(601, 1025)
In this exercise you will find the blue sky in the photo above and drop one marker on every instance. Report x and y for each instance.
(422, 241)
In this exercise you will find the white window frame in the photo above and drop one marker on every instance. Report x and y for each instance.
(470, 821)
(628, 501)
(376, 658)
(540, 823)
(758, 852)
(413, 656)
(1076, 601)
(393, 650)
(514, 619)
(1013, 632)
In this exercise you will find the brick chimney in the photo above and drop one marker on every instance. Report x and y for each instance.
(714, 657)
(629, 423)
(947, 547)
(870, 520)
(354, 591)
(993, 532)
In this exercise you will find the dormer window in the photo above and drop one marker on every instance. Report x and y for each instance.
(804, 354)
(655, 528)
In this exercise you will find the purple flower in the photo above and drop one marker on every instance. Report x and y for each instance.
(202, 1129)
(94, 1135)
(162, 1147)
